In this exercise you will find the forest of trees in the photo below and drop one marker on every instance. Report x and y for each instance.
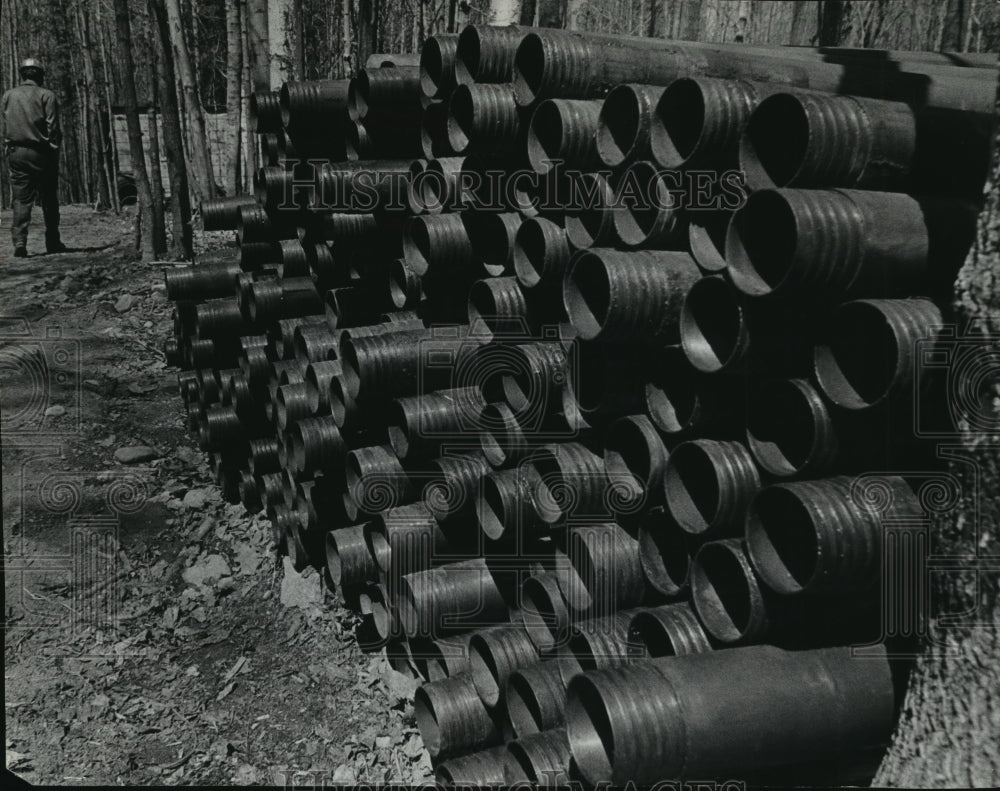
(181, 61)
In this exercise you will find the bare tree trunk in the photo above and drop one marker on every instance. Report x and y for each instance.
(345, 37)
(277, 14)
(831, 17)
(173, 137)
(367, 29)
(949, 731)
(93, 114)
(260, 59)
(296, 34)
(200, 155)
(234, 78)
(112, 135)
(155, 176)
(123, 30)
(249, 149)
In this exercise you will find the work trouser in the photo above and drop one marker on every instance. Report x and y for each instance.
(34, 176)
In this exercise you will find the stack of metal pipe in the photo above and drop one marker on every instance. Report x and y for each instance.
(586, 368)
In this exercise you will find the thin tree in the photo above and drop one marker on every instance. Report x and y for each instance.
(234, 78)
(155, 176)
(173, 137)
(200, 160)
(144, 221)
(260, 58)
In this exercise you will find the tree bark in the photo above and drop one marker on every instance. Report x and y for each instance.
(155, 176)
(949, 730)
(249, 147)
(367, 29)
(234, 108)
(181, 247)
(260, 59)
(200, 162)
(123, 30)
(277, 37)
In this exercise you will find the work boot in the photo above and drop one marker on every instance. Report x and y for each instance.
(20, 252)
(55, 247)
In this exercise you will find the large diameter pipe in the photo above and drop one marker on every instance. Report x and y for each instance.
(445, 657)
(309, 105)
(477, 770)
(535, 698)
(223, 214)
(624, 124)
(790, 431)
(824, 536)
(668, 630)
(572, 481)
(867, 355)
(407, 538)
(605, 641)
(544, 612)
(708, 486)
(419, 425)
(437, 65)
(496, 653)
(485, 117)
(698, 121)
(453, 482)
(503, 505)
(829, 245)
(454, 597)
(541, 759)
(563, 131)
(374, 480)
(265, 112)
(689, 716)
(452, 719)
(485, 54)
(682, 402)
(608, 574)
(646, 214)
(617, 296)
(851, 141)
(197, 282)
(350, 560)
(541, 253)
(586, 65)
(634, 453)
(664, 552)
(589, 219)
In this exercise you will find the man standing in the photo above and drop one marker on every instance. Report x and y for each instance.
(31, 139)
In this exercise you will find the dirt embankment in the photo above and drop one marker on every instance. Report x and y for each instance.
(152, 637)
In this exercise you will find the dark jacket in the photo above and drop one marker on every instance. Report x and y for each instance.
(31, 115)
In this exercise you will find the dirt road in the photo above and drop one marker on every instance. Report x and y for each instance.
(152, 635)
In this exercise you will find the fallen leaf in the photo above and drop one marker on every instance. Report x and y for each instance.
(235, 669)
(226, 690)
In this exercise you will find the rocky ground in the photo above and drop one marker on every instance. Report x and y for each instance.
(152, 635)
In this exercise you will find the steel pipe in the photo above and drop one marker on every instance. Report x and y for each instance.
(545, 614)
(484, 117)
(589, 219)
(496, 653)
(867, 356)
(445, 657)
(618, 296)
(385, 364)
(315, 444)
(419, 425)
(452, 719)
(790, 431)
(454, 597)
(829, 245)
(635, 458)
(501, 437)
(439, 242)
(541, 253)
(503, 505)
(698, 121)
(291, 405)
(374, 481)
(350, 560)
(608, 575)
(265, 112)
(453, 482)
(198, 282)
(385, 94)
(624, 723)
(408, 538)
(542, 759)
(533, 386)
(498, 307)
(707, 239)
(603, 383)
(826, 536)
(563, 131)
(708, 486)
(623, 127)
(437, 65)
(664, 552)
(668, 630)
(604, 641)
(573, 481)
(535, 698)
(485, 54)
(435, 141)
(646, 215)
(477, 770)
(492, 236)
(222, 214)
